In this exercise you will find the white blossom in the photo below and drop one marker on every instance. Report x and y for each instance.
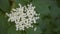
(23, 16)
(35, 28)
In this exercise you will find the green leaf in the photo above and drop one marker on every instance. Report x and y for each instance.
(3, 24)
(31, 31)
(4, 5)
(12, 30)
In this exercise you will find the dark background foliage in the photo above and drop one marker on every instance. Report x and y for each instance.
(49, 22)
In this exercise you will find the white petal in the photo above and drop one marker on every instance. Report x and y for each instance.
(35, 28)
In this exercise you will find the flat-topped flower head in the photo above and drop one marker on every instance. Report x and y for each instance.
(24, 16)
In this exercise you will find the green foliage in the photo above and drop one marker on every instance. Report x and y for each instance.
(4, 5)
(3, 24)
(49, 22)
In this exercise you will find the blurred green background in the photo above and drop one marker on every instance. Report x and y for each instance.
(49, 22)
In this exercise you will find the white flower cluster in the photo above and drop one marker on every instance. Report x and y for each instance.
(24, 16)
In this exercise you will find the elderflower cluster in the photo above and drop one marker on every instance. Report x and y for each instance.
(24, 16)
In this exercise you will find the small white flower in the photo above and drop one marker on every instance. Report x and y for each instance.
(35, 28)
(23, 17)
